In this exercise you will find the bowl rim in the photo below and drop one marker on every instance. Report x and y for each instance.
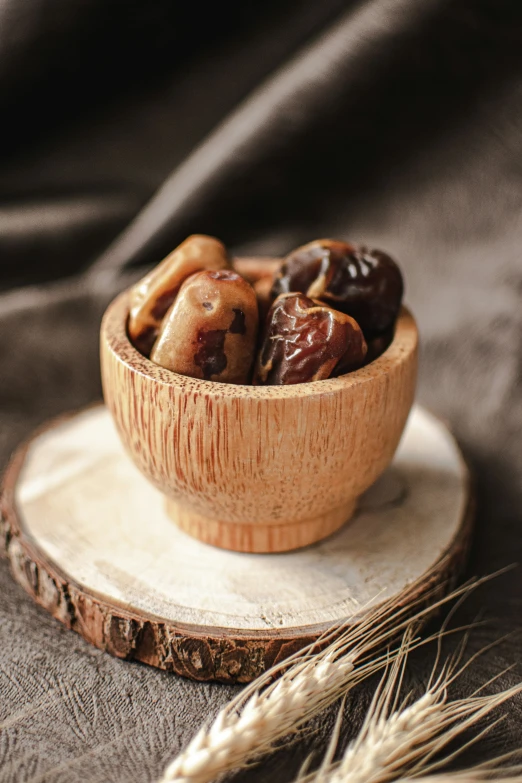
(114, 337)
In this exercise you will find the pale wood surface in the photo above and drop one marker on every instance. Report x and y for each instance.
(271, 468)
(86, 530)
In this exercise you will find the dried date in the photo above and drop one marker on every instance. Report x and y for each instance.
(365, 284)
(210, 331)
(378, 345)
(304, 340)
(151, 297)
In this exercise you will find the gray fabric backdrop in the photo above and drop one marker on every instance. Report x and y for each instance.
(384, 122)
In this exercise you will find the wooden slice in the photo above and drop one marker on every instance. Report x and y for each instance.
(89, 538)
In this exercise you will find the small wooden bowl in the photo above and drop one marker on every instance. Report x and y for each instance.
(258, 468)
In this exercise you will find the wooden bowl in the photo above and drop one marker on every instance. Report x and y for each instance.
(258, 469)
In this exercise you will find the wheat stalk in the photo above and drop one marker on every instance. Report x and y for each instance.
(464, 777)
(403, 739)
(240, 731)
(480, 774)
(268, 710)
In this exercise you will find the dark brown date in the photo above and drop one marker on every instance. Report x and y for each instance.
(378, 345)
(152, 296)
(304, 340)
(366, 284)
(210, 331)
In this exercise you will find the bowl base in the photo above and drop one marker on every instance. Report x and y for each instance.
(257, 537)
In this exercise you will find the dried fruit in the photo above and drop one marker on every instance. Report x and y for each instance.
(366, 284)
(152, 296)
(378, 345)
(210, 331)
(304, 340)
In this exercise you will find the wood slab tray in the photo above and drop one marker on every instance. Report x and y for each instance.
(89, 538)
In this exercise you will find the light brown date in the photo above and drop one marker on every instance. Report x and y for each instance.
(152, 296)
(304, 340)
(210, 331)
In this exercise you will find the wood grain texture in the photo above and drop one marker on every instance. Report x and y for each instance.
(271, 468)
(88, 537)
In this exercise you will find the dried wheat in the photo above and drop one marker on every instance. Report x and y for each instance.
(268, 710)
(397, 740)
(466, 776)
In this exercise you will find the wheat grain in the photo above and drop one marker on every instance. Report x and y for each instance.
(403, 740)
(466, 776)
(268, 710)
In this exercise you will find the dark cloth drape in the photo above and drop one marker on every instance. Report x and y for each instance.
(126, 126)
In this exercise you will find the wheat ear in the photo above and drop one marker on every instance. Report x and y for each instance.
(268, 710)
(397, 740)
(466, 776)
